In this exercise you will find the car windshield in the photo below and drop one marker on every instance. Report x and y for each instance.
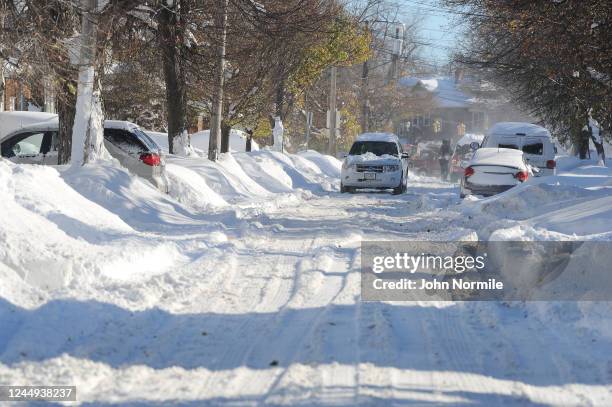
(375, 147)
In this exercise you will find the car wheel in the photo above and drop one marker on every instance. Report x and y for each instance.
(400, 188)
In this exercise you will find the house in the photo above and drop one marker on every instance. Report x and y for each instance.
(460, 105)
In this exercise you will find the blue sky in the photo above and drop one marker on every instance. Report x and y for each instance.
(438, 27)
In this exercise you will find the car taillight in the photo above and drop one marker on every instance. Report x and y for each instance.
(150, 159)
(551, 164)
(469, 171)
(521, 176)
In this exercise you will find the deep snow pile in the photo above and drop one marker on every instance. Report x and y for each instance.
(199, 141)
(259, 177)
(61, 230)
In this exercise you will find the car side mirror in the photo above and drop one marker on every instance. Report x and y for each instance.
(474, 146)
(344, 155)
(405, 155)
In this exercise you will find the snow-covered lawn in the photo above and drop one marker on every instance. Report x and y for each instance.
(241, 287)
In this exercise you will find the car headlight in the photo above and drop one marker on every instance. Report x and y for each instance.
(391, 168)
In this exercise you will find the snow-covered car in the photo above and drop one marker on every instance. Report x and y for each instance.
(494, 170)
(375, 161)
(534, 141)
(461, 155)
(38, 144)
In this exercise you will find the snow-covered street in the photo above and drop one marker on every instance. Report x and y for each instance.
(249, 294)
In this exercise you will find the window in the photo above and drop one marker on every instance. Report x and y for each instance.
(24, 144)
(534, 148)
(512, 146)
(124, 140)
(375, 147)
(148, 141)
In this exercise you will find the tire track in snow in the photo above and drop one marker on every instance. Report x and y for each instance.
(296, 335)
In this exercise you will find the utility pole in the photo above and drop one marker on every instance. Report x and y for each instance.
(397, 50)
(332, 112)
(365, 109)
(214, 140)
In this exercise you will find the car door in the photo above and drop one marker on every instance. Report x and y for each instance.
(24, 148)
(533, 151)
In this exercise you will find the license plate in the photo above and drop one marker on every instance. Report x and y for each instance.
(369, 175)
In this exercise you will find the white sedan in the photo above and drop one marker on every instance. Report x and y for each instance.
(494, 170)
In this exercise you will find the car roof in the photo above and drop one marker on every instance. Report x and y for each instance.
(470, 138)
(119, 124)
(12, 121)
(518, 128)
(388, 137)
(498, 156)
(52, 123)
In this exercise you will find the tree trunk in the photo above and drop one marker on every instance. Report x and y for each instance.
(66, 108)
(1, 87)
(225, 136)
(170, 41)
(87, 129)
(214, 140)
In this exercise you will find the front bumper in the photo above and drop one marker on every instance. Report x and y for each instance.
(384, 180)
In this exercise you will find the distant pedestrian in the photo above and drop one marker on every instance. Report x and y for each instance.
(249, 140)
(444, 159)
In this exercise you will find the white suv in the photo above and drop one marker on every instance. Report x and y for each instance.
(376, 161)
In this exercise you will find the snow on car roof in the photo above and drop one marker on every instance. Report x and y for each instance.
(119, 124)
(13, 121)
(388, 137)
(498, 156)
(512, 128)
(469, 138)
(50, 121)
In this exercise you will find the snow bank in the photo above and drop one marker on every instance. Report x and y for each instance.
(54, 237)
(199, 141)
(249, 178)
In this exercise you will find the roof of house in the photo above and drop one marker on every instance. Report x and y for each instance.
(444, 90)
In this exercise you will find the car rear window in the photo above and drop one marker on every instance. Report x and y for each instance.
(148, 141)
(124, 140)
(533, 148)
(375, 147)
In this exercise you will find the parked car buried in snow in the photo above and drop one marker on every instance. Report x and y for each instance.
(494, 170)
(375, 161)
(37, 143)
